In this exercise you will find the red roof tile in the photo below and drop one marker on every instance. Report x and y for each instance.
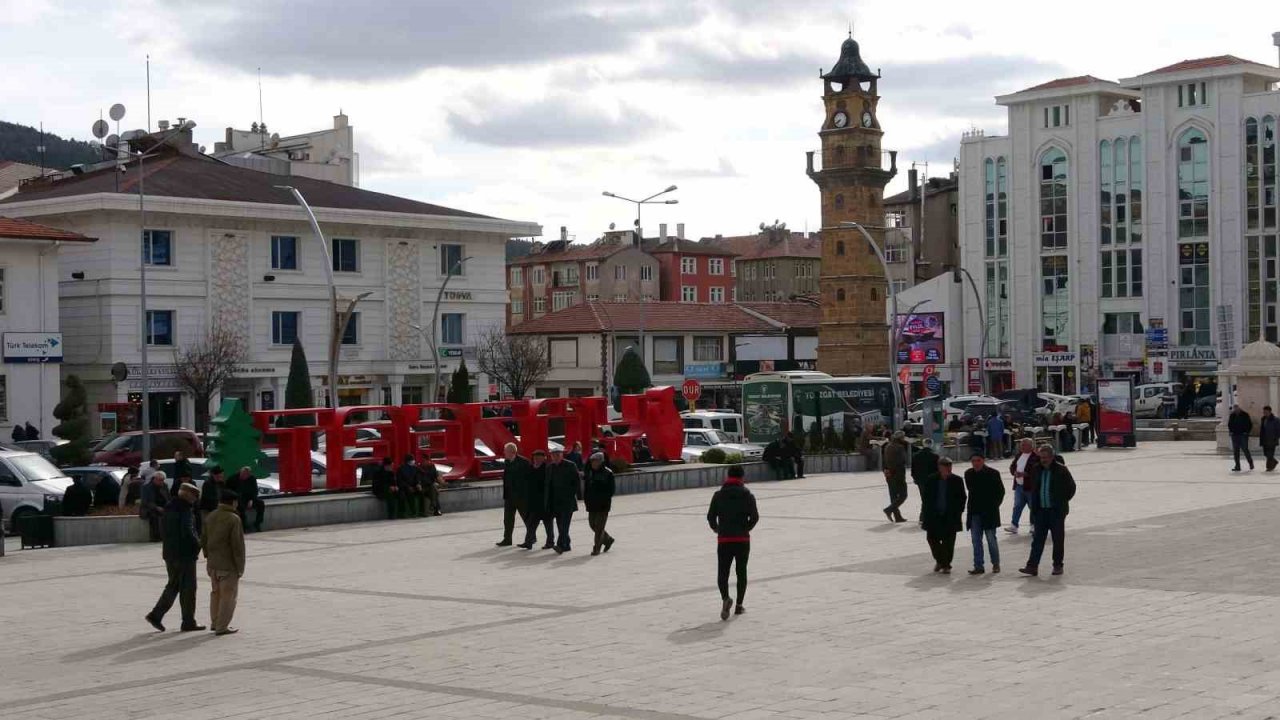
(685, 247)
(791, 314)
(27, 230)
(595, 317)
(1202, 64)
(1065, 82)
(578, 251)
(756, 247)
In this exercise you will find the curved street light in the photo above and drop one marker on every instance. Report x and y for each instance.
(893, 301)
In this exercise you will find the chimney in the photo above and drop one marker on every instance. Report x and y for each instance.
(680, 230)
(662, 232)
(564, 232)
(339, 120)
(913, 179)
(163, 125)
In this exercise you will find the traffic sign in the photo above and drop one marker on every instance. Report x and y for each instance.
(933, 384)
(691, 390)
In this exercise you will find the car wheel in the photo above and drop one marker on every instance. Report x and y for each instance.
(22, 512)
(1208, 411)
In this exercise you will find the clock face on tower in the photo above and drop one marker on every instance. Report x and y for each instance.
(866, 119)
(840, 120)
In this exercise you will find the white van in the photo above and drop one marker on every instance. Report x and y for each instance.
(27, 480)
(727, 423)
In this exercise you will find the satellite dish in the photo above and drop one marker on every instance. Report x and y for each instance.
(610, 226)
(120, 372)
(116, 112)
(100, 129)
(112, 140)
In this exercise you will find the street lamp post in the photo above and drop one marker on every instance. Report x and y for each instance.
(893, 302)
(640, 239)
(455, 269)
(982, 318)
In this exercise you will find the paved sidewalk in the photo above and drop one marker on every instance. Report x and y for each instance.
(1168, 609)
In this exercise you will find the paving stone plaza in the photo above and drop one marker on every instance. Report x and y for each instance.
(1170, 607)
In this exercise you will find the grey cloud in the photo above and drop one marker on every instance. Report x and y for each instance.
(395, 38)
(723, 168)
(941, 152)
(964, 87)
(556, 121)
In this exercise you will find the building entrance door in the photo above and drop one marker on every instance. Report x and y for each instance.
(165, 410)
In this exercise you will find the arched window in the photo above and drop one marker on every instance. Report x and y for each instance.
(1053, 200)
(989, 185)
(1120, 217)
(1193, 235)
(1263, 255)
(840, 295)
(839, 247)
(1193, 185)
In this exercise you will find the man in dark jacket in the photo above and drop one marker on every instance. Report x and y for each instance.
(409, 486)
(986, 492)
(535, 494)
(246, 489)
(575, 456)
(1269, 436)
(1050, 486)
(1239, 424)
(181, 550)
(78, 499)
(155, 498)
(775, 456)
(944, 501)
(107, 491)
(212, 489)
(32, 432)
(181, 472)
(732, 516)
(515, 474)
(563, 492)
(382, 480)
(791, 450)
(430, 485)
(19, 433)
(924, 465)
(894, 456)
(598, 487)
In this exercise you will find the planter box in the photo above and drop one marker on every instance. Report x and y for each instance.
(311, 511)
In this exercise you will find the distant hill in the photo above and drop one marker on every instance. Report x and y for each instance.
(20, 143)
(517, 248)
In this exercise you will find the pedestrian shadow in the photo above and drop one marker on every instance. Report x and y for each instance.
(490, 552)
(928, 581)
(113, 648)
(698, 633)
(578, 560)
(971, 583)
(1034, 587)
(159, 651)
(887, 527)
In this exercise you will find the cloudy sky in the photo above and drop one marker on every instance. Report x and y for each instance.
(529, 109)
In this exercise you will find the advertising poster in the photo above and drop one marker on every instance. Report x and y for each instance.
(1115, 412)
(920, 339)
(764, 409)
(837, 402)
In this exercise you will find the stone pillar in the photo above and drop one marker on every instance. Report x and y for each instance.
(1273, 392)
(397, 389)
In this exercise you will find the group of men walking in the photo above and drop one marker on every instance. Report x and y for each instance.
(1240, 425)
(545, 491)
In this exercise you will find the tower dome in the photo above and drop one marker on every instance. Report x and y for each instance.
(850, 64)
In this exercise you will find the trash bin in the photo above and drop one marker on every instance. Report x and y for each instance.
(36, 531)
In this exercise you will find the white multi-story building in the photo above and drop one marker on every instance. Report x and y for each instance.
(1114, 207)
(224, 244)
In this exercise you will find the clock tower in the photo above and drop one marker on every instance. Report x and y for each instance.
(853, 337)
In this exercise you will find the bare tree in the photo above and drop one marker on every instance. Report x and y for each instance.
(205, 365)
(514, 362)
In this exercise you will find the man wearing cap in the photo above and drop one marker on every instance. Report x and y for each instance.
(181, 550)
(598, 487)
(223, 543)
(563, 493)
(895, 475)
(535, 500)
(944, 501)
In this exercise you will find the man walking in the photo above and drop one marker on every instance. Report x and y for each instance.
(1239, 424)
(536, 503)
(223, 543)
(995, 436)
(155, 498)
(563, 492)
(986, 492)
(894, 461)
(1269, 436)
(924, 465)
(409, 486)
(515, 471)
(1018, 469)
(732, 516)
(1051, 487)
(598, 487)
(944, 500)
(181, 550)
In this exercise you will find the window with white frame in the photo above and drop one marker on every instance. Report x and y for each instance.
(715, 266)
(717, 295)
(899, 286)
(539, 305)
(895, 253)
(284, 252)
(346, 255)
(284, 327)
(996, 254)
(689, 293)
(1193, 294)
(593, 271)
(646, 272)
(733, 268)
(517, 308)
(734, 294)
(351, 333)
(1125, 323)
(668, 355)
(157, 247)
(562, 299)
(688, 266)
(538, 276)
(593, 297)
(160, 327)
(1120, 215)
(708, 348)
(1053, 200)
(1057, 116)
(1262, 227)
(1193, 94)
(517, 277)
(451, 259)
(451, 328)
(619, 272)
(620, 297)
(1193, 185)
(1055, 303)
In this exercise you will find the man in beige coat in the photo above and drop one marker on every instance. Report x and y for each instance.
(223, 541)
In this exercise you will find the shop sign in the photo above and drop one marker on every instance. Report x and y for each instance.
(704, 370)
(997, 364)
(33, 347)
(1194, 355)
(457, 294)
(1044, 359)
(255, 370)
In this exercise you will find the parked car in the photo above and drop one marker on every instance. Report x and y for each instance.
(700, 440)
(200, 472)
(952, 406)
(125, 449)
(27, 482)
(41, 447)
(1207, 406)
(91, 475)
(1009, 409)
(728, 423)
(1155, 399)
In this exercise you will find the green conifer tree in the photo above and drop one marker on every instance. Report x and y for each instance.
(73, 411)
(459, 385)
(297, 392)
(234, 442)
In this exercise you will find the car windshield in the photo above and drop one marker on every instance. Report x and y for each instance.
(119, 442)
(714, 437)
(34, 467)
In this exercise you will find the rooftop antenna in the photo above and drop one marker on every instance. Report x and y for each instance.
(148, 95)
(262, 137)
(40, 149)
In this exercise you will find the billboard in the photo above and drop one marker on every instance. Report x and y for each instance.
(33, 347)
(1115, 412)
(920, 339)
(764, 408)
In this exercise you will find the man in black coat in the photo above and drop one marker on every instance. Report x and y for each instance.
(430, 485)
(181, 472)
(246, 488)
(181, 550)
(382, 480)
(1269, 436)
(107, 491)
(944, 500)
(78, 499)
(211, 491)
(775, 456)
(598, 487)
(732, 516)
(32, 432)
(515, 472)
(986, 492)
(409, 486)
(563, 493)
(1050, 486)
(536, 503)
(792, 450)
(1239, 424)
(924, 465)
(19, 433)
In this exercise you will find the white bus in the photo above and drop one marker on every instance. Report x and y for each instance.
(776, 401)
